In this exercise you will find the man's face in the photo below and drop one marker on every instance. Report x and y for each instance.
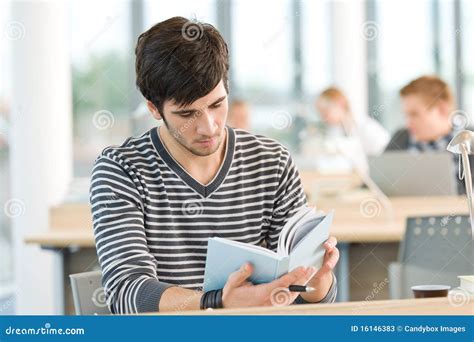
(424, 121)
(199, 127)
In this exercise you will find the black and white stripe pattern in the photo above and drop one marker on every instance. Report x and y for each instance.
(152, 219)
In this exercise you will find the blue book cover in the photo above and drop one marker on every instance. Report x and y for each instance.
(300, 244)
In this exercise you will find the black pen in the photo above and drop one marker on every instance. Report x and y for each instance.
(300, 288)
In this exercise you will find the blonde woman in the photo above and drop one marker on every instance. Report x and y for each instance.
(335, 111)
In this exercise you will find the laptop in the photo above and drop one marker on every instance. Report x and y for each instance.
(414, 174)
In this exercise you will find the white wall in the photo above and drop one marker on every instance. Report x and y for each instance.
(350, 32)
(41, 144)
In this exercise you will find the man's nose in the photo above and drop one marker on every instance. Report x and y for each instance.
(206, 124)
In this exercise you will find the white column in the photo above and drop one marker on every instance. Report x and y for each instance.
(41, 143)
(349, 34)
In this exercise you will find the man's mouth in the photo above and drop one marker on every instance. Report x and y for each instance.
(206, 142)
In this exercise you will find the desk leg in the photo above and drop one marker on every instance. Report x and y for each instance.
(342, 273)
(59, 281)
(58, 274)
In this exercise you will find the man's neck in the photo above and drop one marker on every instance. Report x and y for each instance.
(201, 168)
(440, 134)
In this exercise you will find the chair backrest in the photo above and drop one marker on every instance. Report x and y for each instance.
(436, 249)
(441, 245)
(88, 293)
(437, 241)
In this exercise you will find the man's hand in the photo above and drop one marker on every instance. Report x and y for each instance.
(239, 292)
(322, 280)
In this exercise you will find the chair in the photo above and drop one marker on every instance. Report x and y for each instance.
(435, 250)
(88, 293)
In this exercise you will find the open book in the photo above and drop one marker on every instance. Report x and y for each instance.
(300, 244)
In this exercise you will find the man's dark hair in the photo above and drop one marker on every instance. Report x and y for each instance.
(181, 60)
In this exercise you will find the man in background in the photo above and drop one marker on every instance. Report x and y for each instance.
(429, 105)
(239, 115)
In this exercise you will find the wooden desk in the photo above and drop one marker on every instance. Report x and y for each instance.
(428, 306)
(358, 218)
(70, 226)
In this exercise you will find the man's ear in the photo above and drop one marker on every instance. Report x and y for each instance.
(153, 110)
(444, 108)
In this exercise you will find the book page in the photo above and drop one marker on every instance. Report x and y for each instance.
(303, 230)
(287, 230)
(309, 251)
(243, 245)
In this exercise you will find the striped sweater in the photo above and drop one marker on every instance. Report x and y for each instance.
(152, 219)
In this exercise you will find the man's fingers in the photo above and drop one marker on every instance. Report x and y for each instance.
(303, 280)
(332, 260)
(239, 277)
(330, 243)
(298, 274)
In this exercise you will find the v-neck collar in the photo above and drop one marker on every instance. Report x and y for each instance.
(203, 190)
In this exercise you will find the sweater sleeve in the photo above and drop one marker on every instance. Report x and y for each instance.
(289, 198)
(329, 298)
(129, 272)
(399, 141)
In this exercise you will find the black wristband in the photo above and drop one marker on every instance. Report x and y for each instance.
(211, 299)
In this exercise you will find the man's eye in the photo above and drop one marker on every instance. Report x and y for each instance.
(217, 105)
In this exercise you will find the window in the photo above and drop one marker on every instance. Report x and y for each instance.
(445, 34)
(467, 32)
(159, 10)
(316, 46)
(102, 56)
(107, 107)
(424, 43)
(262, 61)
(404, 49)
(266, 67)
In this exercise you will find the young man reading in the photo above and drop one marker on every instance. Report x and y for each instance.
(157, 198)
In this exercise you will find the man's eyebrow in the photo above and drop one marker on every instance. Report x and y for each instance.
(184, 111)
(190, 111)
(220, 99)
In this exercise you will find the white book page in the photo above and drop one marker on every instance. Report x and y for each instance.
(243, 245)
(288, 232)
(303, 230)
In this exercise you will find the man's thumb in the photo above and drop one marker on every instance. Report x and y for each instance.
(238, 277)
